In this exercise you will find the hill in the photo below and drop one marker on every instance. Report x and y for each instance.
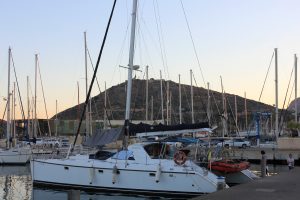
(117, 99)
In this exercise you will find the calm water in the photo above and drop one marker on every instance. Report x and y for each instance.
(15, 184)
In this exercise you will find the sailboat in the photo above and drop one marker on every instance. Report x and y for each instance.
(139, 168)
(15, 155)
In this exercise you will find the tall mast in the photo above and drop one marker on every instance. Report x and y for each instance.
(152, 108)
(224, 118)
(246, 117)
(28, 110)
(14, 111)
(276, 94)
(105, 109)
(235, 109)
(208, 104)
(168, 101)
(180, 115)
(8, 101)
(131, 56)
(192, 96)
(86, 86)
(296, 106)
(35, 89)
(56, 118)
(78, 102)
(147, 82)
(162, 98)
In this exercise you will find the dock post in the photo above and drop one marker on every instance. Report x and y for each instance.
(263, 163)
(74, 195)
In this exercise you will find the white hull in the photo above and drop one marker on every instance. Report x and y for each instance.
(133, 176)
(17, 156)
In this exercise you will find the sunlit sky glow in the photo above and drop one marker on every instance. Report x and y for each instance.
(233, 39)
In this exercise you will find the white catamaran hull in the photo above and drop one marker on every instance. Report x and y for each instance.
(98, 175)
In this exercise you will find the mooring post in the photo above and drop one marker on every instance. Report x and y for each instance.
(74, 195)
(263, 163)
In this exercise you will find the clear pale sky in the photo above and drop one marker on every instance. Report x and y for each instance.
(233, 39)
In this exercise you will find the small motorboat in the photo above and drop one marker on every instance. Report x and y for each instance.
(229, 165)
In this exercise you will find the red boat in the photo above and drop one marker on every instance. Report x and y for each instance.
(229, 166)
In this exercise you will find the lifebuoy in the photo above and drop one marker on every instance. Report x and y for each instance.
(179, 157)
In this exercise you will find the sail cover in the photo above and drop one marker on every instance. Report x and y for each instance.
(141, 127)
(103, 137)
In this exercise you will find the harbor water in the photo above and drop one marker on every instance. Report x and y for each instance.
(16, 184)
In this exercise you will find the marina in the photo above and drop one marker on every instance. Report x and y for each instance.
(148, 136)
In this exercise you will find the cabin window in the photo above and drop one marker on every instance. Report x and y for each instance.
(100, 171)
(66, 168)
(124, 155)
(152, 174)
(158, 150)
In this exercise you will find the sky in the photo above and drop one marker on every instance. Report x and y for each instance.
(233, 39)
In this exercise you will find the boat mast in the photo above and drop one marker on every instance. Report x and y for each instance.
(296, 106)
(129, 81)
(276, 95)
(14, 111)
(162, 99)
(168, 101)
(147, 82)
(192, 96)
(86, 86)
(28, 109)
(35, 89)
(180, 115)
(235, 109)
(8, 101)
(105, 111)
(246, 119)
(208, 105)
(152, 108)
(224, 118)
(56, 122)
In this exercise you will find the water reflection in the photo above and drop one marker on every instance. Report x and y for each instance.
(39, 193)
(272, 169)
(15, 184)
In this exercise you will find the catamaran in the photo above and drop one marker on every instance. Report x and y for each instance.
(139, 168)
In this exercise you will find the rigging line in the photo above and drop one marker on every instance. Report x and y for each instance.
(266, 77)
(39, 69)
(160, 43)
(145, 47)
(138, 33)
(282, 110)
(20, 99)
(162, 38)
(120, 53)
(186, 97)
(194, 47)
(4, 111)
(233, 116)
(89, 55)
(285, 111)
(94, 75)
(99, 91)
(213, 95)
(203, 105)
(153, 42)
